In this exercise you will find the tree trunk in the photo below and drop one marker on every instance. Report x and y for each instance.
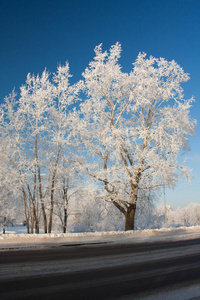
(35, 218)
(52, 202)
(130, 218)
(41, 199)
(27, 226)
(44, 215)
(4, 225)
(53, 187)
(65, 220)
(65, 198)
(40, 187)
(32, 223)
(27, 216)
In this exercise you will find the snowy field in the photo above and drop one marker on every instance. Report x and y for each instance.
(16, 237)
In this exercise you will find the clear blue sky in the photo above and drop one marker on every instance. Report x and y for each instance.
(43, 33)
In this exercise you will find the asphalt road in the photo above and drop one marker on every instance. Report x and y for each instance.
(97, 271)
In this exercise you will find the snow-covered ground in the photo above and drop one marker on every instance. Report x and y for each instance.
(16, 237)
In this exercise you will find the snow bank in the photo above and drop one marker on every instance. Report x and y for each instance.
(149, 235)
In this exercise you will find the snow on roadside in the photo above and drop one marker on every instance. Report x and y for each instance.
(150, 235)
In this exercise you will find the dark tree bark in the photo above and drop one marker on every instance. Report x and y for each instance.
(130, 218)
(53, 188)
(65, 220)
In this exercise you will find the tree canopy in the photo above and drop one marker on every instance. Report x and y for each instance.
(123, 130)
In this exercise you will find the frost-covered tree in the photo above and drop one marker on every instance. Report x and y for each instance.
(145, 217)
(10, 169)
(68, 185)
(62, 118)
(134, 126)
(36, 127)
(185, 216)
(91, 210)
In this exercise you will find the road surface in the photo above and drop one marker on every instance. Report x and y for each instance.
(98, 270)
